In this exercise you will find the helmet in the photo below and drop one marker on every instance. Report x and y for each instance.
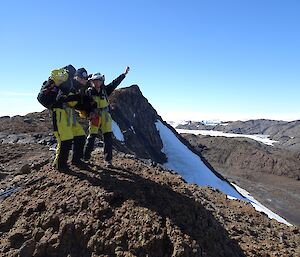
(81, 73)
(97, 76)
(59, 76)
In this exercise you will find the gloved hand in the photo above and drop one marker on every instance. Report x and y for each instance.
(126, 70)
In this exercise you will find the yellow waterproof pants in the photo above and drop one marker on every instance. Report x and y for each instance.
(62, 130)
(76, 128)
(66, 127)
(105, 124)
(61, 124)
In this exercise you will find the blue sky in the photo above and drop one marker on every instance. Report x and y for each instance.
(234, 59)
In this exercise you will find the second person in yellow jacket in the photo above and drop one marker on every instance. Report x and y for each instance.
(100, 117)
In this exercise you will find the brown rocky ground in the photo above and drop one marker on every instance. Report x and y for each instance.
(133, 209)
(31, 123)
(270, 174)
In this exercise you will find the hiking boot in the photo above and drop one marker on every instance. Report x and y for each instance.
(63, 169)
(79, 164)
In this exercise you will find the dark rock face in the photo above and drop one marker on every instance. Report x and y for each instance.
(136, 118)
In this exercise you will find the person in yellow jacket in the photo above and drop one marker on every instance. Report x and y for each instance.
(67, 129)
(100, 117)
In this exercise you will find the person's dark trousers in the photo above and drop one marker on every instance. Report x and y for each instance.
(78, 146)
(89, 147)
(63, 155)
(107, 146)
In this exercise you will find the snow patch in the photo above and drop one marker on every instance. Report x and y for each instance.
(188, 164)
(174, 124)
(260, 138)
(211, 122)
(117, 132)
(188, 122)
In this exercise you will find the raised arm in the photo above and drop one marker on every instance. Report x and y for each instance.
(116, 82)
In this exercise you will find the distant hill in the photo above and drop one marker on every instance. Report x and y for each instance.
(287, 133)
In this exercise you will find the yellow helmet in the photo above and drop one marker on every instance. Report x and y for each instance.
(59, 76)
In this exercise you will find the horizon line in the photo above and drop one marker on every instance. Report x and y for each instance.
(193, 119)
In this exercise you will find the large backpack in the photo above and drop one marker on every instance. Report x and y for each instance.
(48, 93)
(67, 85)
(61, 78)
